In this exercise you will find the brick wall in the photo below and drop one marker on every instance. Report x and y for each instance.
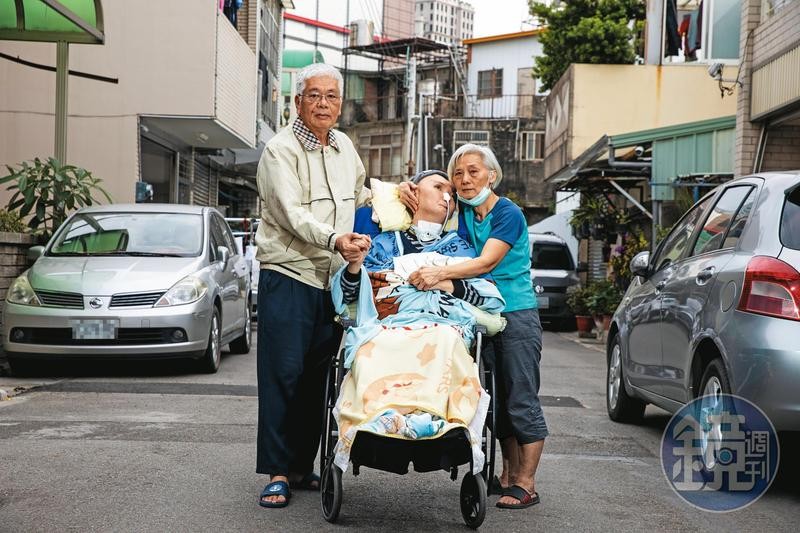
(747, 133)
(776, 35)
(782, 151)
(13, 260)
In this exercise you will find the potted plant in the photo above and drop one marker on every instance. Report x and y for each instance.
(603, 302)
(578, 302)
(44, 192)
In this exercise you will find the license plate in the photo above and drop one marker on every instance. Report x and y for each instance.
(94, 329)
(543, 301)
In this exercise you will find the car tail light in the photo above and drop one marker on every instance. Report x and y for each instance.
(772, 288)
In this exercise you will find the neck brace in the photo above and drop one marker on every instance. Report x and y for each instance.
(427, 231)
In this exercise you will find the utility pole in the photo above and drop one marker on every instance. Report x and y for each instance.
(411, 87)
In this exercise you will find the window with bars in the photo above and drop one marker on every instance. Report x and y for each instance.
(382, 154)
(531, 146)
(490, 83)
(462, 137)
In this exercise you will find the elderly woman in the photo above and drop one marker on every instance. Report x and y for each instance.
(498, 230)
(410, 372)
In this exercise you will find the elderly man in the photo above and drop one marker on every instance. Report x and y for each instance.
(310, 180)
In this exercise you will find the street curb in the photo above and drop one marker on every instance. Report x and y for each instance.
(597, 347)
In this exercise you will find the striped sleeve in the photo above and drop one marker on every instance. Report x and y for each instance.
(350, 286)
(464, 291)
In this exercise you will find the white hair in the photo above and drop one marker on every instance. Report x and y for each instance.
(317, 69)
(487, 156)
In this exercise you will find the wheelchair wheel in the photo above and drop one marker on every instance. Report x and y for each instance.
(473, 500)
(331, 492)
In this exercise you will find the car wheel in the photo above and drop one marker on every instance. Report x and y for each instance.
(209, 363)
(620, 405)
(242, 344)
(713, 385)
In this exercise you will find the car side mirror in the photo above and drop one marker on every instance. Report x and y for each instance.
(35, 252)
(640, 264)
(224, 255)
(582, 267)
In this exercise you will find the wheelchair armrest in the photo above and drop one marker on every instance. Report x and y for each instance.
(345, 322)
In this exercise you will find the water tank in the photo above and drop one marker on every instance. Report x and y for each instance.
(361, 32)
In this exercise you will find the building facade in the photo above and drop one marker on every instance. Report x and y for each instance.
(768, 104)
(186, 102)
(449, 22)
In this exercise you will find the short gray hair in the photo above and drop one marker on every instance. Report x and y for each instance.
(487, 156)
(317, 69)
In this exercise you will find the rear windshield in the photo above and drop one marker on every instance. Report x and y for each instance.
(550, 257)
(155, 234)
(790, 222)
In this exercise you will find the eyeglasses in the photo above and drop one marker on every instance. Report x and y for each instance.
(317, 98)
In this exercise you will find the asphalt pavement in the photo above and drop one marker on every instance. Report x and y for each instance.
(155, 447)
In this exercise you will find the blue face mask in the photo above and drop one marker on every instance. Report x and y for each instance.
(478, 199)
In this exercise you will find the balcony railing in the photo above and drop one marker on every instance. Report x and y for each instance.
(381, 108)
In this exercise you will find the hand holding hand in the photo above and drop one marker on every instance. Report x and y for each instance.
(427, 278)
(408, 195)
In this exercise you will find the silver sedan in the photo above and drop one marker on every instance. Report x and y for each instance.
(132, 281)
(716, 308)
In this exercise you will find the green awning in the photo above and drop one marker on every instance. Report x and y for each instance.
(301, 58)
(71, 21)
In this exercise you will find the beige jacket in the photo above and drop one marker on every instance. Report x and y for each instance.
(309, 197)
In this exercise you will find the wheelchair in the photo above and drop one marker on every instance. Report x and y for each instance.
(387, 454)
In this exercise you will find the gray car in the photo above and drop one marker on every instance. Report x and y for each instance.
(132, 281)
(553, 271)
(716, 308)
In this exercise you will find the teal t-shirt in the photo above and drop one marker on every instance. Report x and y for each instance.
(513, 274)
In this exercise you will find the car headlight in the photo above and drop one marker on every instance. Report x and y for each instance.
(188, 290)
(21, 292)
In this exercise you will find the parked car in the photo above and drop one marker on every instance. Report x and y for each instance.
(244, 232)
(716, 309)
(132, 281)
(553, 270)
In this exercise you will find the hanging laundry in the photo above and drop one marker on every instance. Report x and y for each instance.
(685, 30)
(230, 9)
(698, 28)
(693, 34)
(672, 39)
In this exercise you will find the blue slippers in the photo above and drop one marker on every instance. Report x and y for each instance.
(276, 488)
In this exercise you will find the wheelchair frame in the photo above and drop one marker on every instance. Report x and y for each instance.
(473, 492)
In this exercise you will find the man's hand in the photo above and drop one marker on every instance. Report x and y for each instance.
(353, 247)
(428, 278)
(408, 195)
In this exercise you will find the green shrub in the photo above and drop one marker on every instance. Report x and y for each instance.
(48, 191)
(10, 221)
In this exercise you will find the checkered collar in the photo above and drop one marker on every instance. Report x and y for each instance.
(308, 139)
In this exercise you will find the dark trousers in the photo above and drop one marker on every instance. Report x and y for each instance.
(515, 355)
(296, 339)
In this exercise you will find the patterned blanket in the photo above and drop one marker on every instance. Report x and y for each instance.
(431, 373)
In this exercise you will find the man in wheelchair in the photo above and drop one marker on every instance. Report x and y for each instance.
(410, 372)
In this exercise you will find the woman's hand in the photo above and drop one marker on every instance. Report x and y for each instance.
(427, 278)
(408, 195)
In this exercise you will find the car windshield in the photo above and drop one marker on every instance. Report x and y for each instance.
(790, 221)
(545, 256)
(133, 234)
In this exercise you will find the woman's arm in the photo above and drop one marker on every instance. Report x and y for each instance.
(493, 252)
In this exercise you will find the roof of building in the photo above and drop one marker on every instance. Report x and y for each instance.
(301, 58)
(503, 37)
(79, 22)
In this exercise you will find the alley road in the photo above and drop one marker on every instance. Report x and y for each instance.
(155, 448)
